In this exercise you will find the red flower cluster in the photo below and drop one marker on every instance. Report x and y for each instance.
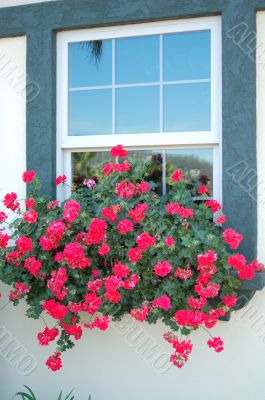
(55, 309)
(121, 270)
(3, 216)
(162, 302)
(28, 176)
(229, 301)
(124, 226)
(74, 255)
(207, 259)
(163, 268)
(126, 190)
(18, 291)
(134, 255)
(182, 349)
(138, 213)
(118, 151)
(4, 239)
(96, 232)
(221, 220)
(103, 249)
(56, 283)
(111, 212)
(202, 190)
(232, 238)
(71, 210)
(94, 286)
(24, 244)
(213, 205)
(175, 208)
(54, 362)
(60, 179)
(72, 329)
(92, 303)
(100, 323)
(140, 314)
(52, 205)
(245, 271)
(144, 240)
(30, 202)
(109, 168)
(169, 241)
(178, 176)
(196, 302)
(33, 266)
(30, 216)
(216, 343)
(54, 234)
(211, 290)
(184, 273)
(47, 336)
(10, 201)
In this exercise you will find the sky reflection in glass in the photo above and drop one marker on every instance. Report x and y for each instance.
(137, 60)
(85, 69)
(138, 109)
(90, 112)
(187, 55)
(187, 107)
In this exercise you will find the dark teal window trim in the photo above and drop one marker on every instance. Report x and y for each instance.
(40, 23)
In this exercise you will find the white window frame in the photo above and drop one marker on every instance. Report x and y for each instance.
(140, 141)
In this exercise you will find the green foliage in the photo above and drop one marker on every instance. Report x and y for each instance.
(29, 395)
(193, 235)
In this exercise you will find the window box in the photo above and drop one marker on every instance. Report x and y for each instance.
(246, 291)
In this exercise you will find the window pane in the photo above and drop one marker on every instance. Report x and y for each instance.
(90, 112)
(137, 60)
(90, 63)
(87, 165)
(187, 56)
(187, 107)
(197, 165)
(137, 109)
(156, 165)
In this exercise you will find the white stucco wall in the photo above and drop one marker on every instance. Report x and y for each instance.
(11, 3)
(108, 364)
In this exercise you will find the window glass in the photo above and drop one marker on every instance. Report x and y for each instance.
(90, 63)
(137, 109)
(137, 60)
(116, 86)
(187, 56)
(187, 107)
(87, 165)
(196, 163)
(90, 112)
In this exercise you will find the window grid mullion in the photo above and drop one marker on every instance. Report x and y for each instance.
(113, 87)
(164, 172)
(161, 102)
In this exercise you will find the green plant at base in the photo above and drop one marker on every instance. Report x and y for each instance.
(31, 396)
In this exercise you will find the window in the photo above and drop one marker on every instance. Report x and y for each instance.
(155, 88)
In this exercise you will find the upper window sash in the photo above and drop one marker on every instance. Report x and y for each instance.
(167, 138)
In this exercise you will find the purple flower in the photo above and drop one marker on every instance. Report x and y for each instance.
(89, 183)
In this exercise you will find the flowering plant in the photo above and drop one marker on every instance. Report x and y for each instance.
(116, 248)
